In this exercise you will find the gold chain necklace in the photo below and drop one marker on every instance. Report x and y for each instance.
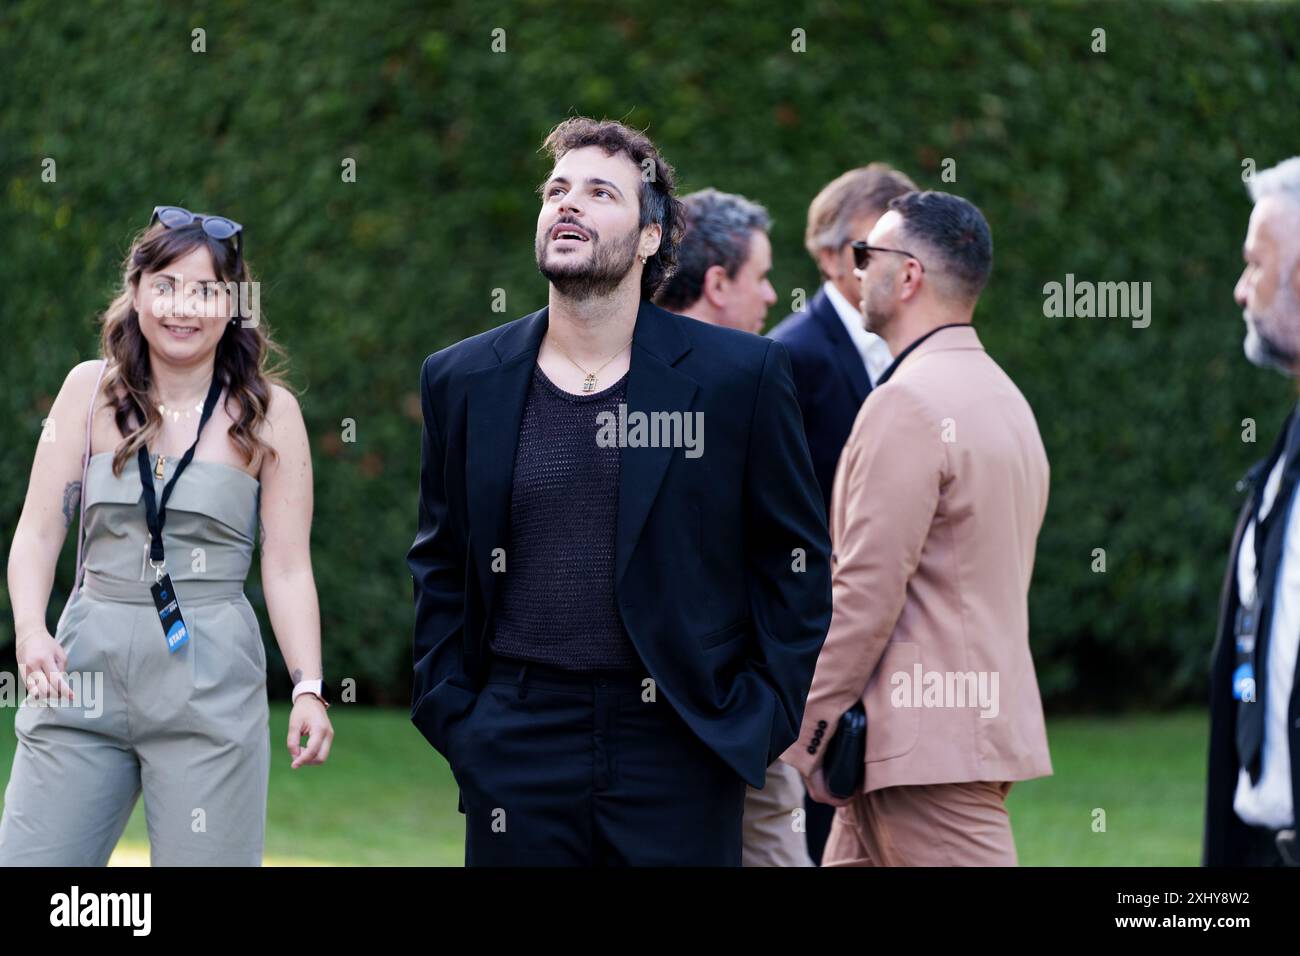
(589, 383)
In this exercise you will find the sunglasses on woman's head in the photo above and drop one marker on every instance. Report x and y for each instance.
(218, 227)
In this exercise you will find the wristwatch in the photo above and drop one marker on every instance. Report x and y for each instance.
(317, 688)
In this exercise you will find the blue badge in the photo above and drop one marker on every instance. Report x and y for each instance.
(1243, 683)
(169, 613)
(177, 636)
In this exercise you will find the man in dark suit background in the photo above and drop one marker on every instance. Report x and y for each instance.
(721, 278)
(1254, 764)
(834, 358)
(617, 622)
(723, 262)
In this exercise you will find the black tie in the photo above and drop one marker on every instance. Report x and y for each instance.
(1270, 538)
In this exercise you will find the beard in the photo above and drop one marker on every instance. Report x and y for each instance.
(878, 308)
(1265, 351)
(1271, 332)
(607, 266)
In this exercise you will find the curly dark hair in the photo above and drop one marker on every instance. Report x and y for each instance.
(656, 191)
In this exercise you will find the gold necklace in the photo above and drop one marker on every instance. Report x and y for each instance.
(589, 383)
(176, 415)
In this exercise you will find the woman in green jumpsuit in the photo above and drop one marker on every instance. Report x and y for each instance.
(155, 678)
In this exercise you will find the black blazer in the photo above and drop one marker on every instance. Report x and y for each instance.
(1225, 833)
(830, 379)
(705, 548)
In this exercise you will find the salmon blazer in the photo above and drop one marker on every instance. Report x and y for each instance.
(936, 507)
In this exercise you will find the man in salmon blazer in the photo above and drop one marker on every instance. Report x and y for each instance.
(936, 507)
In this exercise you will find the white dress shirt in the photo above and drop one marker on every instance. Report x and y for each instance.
(1268, 803)
(874, 351)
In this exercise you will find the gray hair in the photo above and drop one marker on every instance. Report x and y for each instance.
(1283, 179)
(719, 228)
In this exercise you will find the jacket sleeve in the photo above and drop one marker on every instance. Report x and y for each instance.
(441, 690)
(893, 467)
(787, 549)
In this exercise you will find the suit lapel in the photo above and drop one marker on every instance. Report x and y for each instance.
(1252, 483)
(847, 356)
(653, 385)
(496, 397)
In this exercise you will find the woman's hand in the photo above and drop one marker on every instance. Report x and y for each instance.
(41, 664)
(53, 497)
(307, 719)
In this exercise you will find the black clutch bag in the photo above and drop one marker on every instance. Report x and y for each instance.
(845, 762)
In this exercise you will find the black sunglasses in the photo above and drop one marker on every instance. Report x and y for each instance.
(862, 254)
(218, 227)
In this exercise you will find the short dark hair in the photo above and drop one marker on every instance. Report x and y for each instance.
(656, 192)
(719, 228)
(954, 232)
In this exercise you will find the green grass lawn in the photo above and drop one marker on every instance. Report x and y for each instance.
(386, 798)
(1147, 772)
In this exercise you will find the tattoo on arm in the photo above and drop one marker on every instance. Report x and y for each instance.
(297, 674)
(71, 499)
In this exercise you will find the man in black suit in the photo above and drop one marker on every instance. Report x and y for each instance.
(615, 631)
(721, 278)
(834, 358)
(1254, 764)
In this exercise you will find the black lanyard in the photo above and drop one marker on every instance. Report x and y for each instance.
(907, 351)
(155, 512)
(1282, 499)
(1250, 628)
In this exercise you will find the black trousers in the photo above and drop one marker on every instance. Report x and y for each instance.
(558, 768)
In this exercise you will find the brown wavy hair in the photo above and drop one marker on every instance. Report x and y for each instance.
(243, 359)
(658, 204)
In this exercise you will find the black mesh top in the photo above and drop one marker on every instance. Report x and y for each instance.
(556, 595)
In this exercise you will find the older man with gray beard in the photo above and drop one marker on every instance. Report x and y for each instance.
(1254, 709)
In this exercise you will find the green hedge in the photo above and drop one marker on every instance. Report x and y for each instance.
(1117, 166)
